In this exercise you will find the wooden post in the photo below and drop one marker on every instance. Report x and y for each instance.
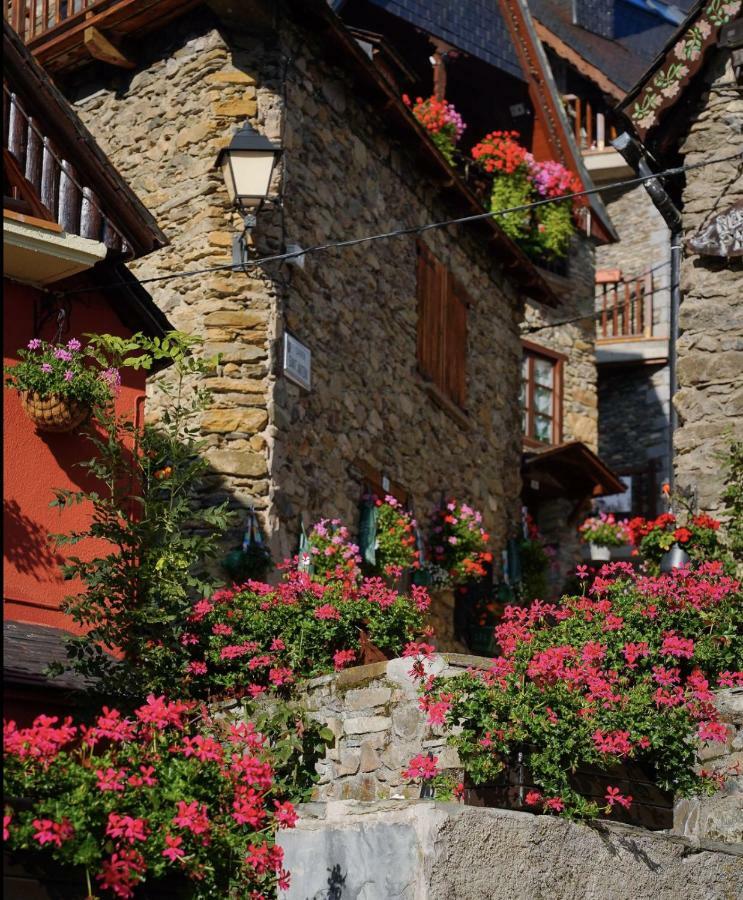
(600, 131)
(49, 175)
(589, 126)
(34, 157)
(627, 322)
(90, 216)
(17, 132)
(69, 199)
(603, 311)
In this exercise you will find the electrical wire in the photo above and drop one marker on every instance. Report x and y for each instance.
(413, 229)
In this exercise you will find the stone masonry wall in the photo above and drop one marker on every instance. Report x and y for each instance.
(373, 712)
(271, 444)
(709, 400)
(424, 850)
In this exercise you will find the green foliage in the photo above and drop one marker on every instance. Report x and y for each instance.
(510, 190)
(167, 794)
(622, 672)
(555, 228)
(158, 538)
(395, 546)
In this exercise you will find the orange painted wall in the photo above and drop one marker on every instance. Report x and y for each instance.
(35, 463)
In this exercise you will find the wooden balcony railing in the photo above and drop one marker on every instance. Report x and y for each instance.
(591, 129)
(34, 18)
(625, 307)
(38, 181)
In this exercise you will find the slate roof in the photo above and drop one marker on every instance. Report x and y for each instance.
(642, 33)
(29, 649)
(475, 26)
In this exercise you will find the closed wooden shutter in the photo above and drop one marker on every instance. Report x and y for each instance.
(442, 327)
(455, 376)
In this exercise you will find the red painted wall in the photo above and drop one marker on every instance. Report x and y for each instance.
(36, 463)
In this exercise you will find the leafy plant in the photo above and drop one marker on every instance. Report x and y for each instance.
(395, 547)
(605, 531)
(623, 671)
(158, 538)
(441, 121)
(459, 542)
(167, 794)
(65, 370)
(260, 639)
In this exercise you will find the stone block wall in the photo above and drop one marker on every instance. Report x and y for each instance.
(424, 850)
(373, 713)
(709, 400)
(720, 817)
(290, 452)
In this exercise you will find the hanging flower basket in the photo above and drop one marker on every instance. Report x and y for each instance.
(53, 412)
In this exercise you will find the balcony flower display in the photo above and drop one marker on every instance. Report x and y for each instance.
(395, 547)
(59, 383)
(441, 121)
(158, 797)
(332, 554)
(623, 671)
(518, 180)
(605, 531)
(459, 542)
(697, 535)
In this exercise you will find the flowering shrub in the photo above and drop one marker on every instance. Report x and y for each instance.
(158, 795)
(63, 369)
(605, 531)
(655, 537)
(441, 121)
(520, 180)
(257, 638)
(459, 542)
(332, 553)
(395, 548)
(623, 671)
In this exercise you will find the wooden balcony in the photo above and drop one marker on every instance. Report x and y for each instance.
(64, 34)
(626, 307)
(40, 185)
(592, 129)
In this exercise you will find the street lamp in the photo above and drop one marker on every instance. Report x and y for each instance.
(247, 165)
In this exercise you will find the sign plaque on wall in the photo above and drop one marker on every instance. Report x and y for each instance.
(297, 361)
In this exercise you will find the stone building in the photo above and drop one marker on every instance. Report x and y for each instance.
(597, 50)
(692, 113)
(381, 412)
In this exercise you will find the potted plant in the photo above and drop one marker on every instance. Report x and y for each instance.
(602, 532)
(665, 543)
(441, 121)
(459, 543)
(59, 384)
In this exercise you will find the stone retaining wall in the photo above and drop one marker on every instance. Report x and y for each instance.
(373, 712)
(423, 850)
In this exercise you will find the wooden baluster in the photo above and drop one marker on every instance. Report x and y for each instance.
(649, 291)
(603, 311)
(69, 199)
(34, 157)
(91, 220)
(600, 131)
(578, 124)
(49, 179)
(626, 321)
(17, 132)
(615, 310)
(44, 15)
(589, 125)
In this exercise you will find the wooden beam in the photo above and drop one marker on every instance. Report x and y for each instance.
(578, 62)
(100, 48)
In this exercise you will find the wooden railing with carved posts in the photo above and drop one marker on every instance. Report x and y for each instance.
(33, 19)
(38, 181)
(592, 129)
(625, 307)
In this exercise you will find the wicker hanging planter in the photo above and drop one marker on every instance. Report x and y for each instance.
(54, 412)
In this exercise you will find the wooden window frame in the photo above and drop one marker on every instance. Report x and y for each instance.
(530, 352)
(442, 338)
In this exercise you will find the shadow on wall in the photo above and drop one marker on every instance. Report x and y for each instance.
(27, 546)
(336, 881)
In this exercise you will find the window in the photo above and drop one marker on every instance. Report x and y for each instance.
(442, 328)
(541, 395)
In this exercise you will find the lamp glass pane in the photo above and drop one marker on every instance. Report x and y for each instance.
(251, 170)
